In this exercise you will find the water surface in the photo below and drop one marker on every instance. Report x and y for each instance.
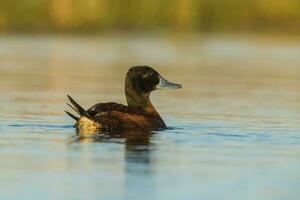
(233, 128)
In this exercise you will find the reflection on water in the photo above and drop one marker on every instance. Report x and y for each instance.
(233, 129)
(137, 158)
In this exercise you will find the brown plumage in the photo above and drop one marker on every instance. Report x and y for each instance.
(138, 114)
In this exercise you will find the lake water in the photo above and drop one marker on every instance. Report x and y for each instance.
(234, 130)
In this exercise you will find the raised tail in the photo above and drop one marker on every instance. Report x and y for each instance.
(77, 108)
(73, 116)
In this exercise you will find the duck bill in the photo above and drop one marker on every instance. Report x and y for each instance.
(164, 84)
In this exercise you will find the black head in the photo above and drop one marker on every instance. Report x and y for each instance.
(144, 79)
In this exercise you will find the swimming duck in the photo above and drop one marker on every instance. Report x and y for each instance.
(138, 114)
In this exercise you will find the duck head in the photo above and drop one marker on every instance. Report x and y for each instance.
(140, 82)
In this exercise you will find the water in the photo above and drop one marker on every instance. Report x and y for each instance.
(233, 128)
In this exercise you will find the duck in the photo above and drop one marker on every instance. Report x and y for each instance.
(138, 114)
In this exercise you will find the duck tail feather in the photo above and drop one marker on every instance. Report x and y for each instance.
(73, 116)
(77, 107)
(73, 108)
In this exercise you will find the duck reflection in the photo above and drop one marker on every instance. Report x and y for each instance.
(136, 142)
(138, 147)
(138, 162)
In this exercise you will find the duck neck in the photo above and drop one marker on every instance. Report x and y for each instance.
(139, 100)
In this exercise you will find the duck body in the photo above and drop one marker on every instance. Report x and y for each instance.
(139, 114)
(108, 117)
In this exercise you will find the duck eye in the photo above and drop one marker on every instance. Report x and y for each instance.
(145, 76)
(146, 83)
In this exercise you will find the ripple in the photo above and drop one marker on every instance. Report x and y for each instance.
(44, 126)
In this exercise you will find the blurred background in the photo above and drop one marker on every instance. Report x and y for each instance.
(234, 126)
(172, 15)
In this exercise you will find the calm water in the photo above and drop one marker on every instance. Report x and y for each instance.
(234, 127)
